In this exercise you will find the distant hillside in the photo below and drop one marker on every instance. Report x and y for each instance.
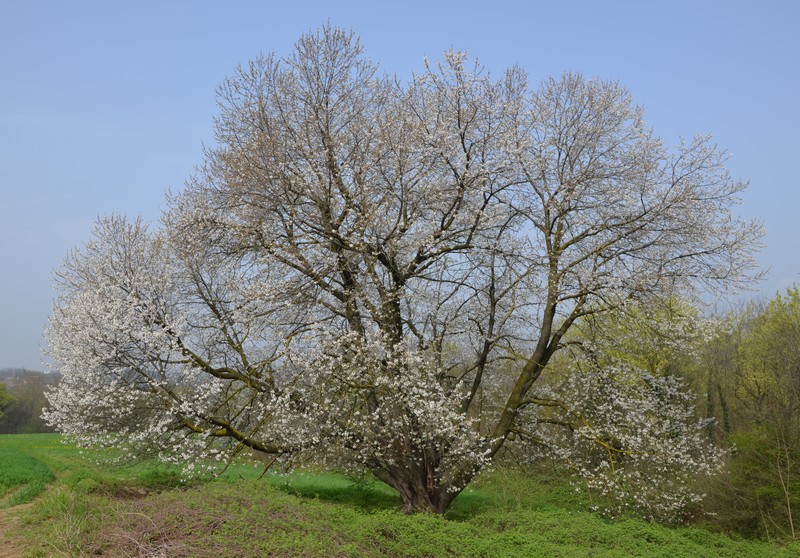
(27, 387)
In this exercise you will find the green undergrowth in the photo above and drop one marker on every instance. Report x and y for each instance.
(145, 509)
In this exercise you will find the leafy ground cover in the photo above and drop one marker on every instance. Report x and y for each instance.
(145, 509)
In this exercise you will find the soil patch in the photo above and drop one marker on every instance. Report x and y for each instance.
(11, 546)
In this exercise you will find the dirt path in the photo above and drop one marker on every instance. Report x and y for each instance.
(11, 546)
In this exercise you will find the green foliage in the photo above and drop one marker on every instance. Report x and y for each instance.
(623, 391)
(770, 363)
(753, 367)
(660, 337)
(135, 511)
(758, 496)
(250, 519)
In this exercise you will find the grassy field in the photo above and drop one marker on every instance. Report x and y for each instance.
(82, 509)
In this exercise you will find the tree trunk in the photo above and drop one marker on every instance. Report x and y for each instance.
(418, 489)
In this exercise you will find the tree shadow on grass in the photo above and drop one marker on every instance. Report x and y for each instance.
(362, 493)
(368, 494)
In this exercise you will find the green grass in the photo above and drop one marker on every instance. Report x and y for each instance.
(22, 476)
(145, 510)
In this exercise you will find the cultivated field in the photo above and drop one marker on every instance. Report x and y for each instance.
(56, 500)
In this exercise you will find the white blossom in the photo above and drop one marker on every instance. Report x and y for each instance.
(361, 260)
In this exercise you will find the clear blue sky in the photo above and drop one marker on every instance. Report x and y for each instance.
(106, 105)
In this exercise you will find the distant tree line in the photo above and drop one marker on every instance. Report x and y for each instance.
(22, 399)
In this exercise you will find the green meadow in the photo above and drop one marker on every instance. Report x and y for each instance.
(67, 502)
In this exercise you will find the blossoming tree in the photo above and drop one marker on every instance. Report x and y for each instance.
(359, 256)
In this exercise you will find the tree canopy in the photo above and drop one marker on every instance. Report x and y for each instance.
(359, 259)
